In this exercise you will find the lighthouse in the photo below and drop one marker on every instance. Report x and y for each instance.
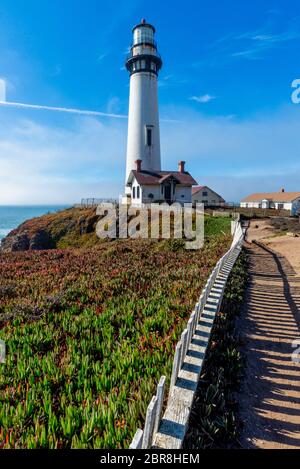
(143, 64)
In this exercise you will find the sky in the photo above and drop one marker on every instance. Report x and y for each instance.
(224, 95)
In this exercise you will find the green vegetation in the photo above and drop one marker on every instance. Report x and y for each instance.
(89, 332)
(213, 421)
(76, 228)
(215, 225)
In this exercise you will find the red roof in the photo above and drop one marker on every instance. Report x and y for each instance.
(281, 196)
(197, 189)
(158, 177)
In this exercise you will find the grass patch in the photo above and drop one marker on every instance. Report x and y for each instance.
(215, 225)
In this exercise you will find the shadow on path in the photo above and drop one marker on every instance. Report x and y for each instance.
(270, 394)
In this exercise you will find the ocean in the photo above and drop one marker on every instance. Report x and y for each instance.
(12, 216)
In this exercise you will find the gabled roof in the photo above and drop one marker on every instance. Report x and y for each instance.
(272, 196)
(158, 177)
(196, 189)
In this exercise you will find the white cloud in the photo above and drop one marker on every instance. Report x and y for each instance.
(102, 56)
(113, 105)
(41, 164)
(50, 164)
(202, 99)
(262, 42)
(252, 44)
(257, 153)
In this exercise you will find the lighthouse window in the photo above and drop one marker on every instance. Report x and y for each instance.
(144, 35)
(149, 136)
(143, 64)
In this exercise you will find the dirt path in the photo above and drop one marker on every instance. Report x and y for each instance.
(270, 322)
(287, 246)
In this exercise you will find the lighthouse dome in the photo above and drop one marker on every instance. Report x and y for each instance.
(143, 33)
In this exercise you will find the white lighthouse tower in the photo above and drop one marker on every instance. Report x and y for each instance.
(143, 64)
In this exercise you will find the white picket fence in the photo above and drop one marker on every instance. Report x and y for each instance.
(168, 431)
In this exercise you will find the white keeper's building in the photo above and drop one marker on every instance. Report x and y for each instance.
(205, 195)
(274, 200)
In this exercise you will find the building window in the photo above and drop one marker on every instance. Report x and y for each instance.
(280, 206)
(138, 192)
(204, 193)
(133, 192)
(151, 196)
(149, 136)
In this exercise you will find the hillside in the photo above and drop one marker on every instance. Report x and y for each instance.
(89, 331)
(74, 228)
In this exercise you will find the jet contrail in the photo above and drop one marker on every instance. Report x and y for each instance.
(2, 90)
(62, 109)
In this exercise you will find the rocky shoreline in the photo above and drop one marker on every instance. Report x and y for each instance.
(72, 227)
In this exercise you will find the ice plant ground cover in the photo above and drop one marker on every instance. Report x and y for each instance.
(89, 332)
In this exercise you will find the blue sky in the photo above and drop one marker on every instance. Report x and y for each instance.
(224, 94)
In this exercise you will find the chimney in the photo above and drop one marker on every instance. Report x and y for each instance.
(181, 166)
(282, 189)
(138, 165)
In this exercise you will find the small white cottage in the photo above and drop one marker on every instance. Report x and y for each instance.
(160, 186)
(277, 200)
(208, 197)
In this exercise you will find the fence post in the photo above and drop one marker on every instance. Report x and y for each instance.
(137, 440)
(190, 332)
(184, 340)
(201, 305)
(176, 363)
(160, 400)
(149, 423)
(194, 320)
